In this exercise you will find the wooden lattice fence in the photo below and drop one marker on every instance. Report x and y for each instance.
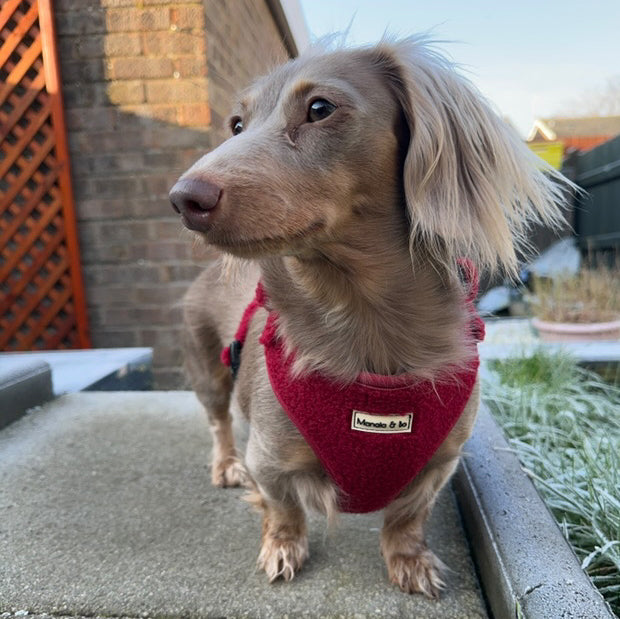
(42, 302)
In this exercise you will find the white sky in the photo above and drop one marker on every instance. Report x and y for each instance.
(531, 58)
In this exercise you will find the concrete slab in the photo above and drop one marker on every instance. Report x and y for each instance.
(515, 337)
(106, 510)
(24, 383)
(97, 369)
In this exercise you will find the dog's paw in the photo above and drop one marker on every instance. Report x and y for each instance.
(282, 558)
(419, 573)
(229, 473)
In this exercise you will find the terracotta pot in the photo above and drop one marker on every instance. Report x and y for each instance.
(575, 332)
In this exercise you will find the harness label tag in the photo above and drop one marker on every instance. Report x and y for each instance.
(381, 424)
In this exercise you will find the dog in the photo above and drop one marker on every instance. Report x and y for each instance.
(363, 189)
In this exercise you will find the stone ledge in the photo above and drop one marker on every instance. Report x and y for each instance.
(97, 369)
(24, 383)
(524, 563)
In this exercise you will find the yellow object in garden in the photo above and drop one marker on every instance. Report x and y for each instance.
(551, 152)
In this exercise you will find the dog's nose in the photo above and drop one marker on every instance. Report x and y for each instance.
(194, 199)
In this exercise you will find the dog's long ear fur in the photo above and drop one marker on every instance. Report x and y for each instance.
(472, 187)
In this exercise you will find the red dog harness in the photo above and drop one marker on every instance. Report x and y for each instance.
(372, 436)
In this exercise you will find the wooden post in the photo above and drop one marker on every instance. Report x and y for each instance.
(53, 86)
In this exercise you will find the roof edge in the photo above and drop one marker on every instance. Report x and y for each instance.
(290, 21)
(540, 125)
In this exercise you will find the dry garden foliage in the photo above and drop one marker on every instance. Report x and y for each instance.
(593, 295)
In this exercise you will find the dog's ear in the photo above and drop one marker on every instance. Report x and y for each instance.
(472, 187)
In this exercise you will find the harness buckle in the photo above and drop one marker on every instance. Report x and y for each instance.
(235, 357)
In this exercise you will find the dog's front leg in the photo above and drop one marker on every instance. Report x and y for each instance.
(411, 565)
(213, 384)
(226, 467)
(284, 545)
(214, 393)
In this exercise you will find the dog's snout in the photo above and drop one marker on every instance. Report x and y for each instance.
(194, 199)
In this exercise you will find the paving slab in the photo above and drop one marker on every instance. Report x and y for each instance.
(24, 383)
(106, 509)
(515, 337)
(96, 369)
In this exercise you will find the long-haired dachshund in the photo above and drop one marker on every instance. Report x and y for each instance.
(366, 187)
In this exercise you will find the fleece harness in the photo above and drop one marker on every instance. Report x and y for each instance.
(372, 436)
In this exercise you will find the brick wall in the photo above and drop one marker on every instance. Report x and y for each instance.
(241, 45)
(147, 84)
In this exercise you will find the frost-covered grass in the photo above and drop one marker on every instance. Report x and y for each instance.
(564, 423)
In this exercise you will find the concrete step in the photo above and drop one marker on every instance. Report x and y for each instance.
(106, 509)
(96, 369)
(24, 383)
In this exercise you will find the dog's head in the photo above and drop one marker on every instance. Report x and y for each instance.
(332, 141)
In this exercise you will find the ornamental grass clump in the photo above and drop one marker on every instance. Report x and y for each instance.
(592, 295)
(564, 423)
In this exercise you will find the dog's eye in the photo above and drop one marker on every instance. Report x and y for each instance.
(320, 109)
(236, 125)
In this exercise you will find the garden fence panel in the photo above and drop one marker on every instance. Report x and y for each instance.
(42, 304)
(597, 212)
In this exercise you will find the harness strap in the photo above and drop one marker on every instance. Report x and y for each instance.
(469, 274)
(231, 355)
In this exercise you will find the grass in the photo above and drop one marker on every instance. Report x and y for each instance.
(564, 423)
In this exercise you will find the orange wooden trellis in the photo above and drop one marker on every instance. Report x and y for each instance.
(42, 304)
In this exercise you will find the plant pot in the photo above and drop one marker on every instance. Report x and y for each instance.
(576, 332)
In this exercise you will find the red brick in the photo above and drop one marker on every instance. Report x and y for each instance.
(166, 112)
(123, 44)
(89, 118)
(90, 20)
(175, 91)
(117, 3)
(113, 295)
(136, 19)
(175, 43)
(188, 17)
(114, 338)
(126, 92)
(160, 294)
(190, 67)
(139, 67)
(166, 229)
(194, 115)
(162, 251)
